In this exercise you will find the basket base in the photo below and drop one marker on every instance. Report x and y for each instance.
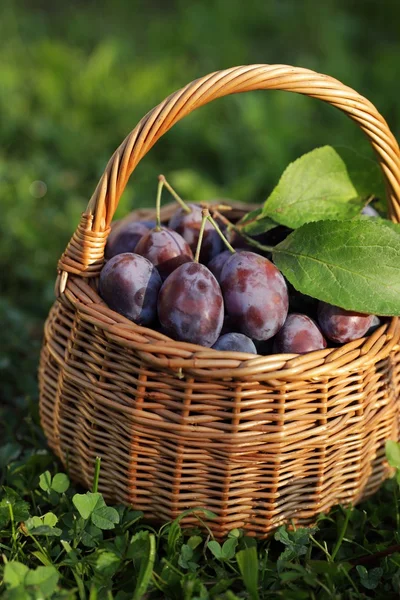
(258, 455)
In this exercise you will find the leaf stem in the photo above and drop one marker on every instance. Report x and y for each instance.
(248, 239)
(341, 535)
(205, 214)
(324, 550)
(221, 235)
(96, 475)
(40, 547)
(158, 203)
(13, 530)
(173, 193)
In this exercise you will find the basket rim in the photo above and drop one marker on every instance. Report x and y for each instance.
(162, 352)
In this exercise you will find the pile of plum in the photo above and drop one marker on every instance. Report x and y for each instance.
(182, 281)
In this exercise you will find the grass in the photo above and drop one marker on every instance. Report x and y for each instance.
(58, 541)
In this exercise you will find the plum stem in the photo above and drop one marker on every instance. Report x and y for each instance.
(248, 239)
(173, 193)
(205, 214)
(161, 184)
(221, 235)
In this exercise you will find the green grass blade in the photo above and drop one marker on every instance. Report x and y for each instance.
(146, 568)
(247, 560)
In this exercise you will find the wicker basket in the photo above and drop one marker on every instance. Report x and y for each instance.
(257, 440)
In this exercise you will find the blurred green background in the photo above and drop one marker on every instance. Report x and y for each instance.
(76, 77)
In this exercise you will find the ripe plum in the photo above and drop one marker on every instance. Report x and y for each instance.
(235, 342)
(165, 249)
(129, 284)
(190, 305)
(124, 237)
(376, 322)
(299, 335)
(217, 263)
(341, 325)
(370, 211)
(188, 224)
(255, 294)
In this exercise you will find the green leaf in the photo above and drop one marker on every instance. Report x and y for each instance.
(14, 574)
(20, 508)
(91, 536)
(86, 503)
(43, 579)
(185, 556)
(45, 481)
(247, 560)
(282, 535)
(229, 547)
(394, 226)
(194, 541)
(129, 517)
(369, 579)
(393, 453)
(46, 530)
(235, 533)
(43, 525)
(50, 519)
(39, 528)
(254, 223)
(296, 543)
(8, 453)
(105, 517)
(215, 548)
(60, 483)
(107, 563)
(352, 264)
(231, 596)
(289, 554)
(221, 586)
(326, 183)
(289, 576)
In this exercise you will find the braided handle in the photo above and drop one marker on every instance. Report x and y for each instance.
(85, 252)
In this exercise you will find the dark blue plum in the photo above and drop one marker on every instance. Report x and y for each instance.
(190, 305)
(149, 224)
(188, 226)
(341, 325)
(370, 211)
(124, 238)
(165, 249)
(130, 284)
(216, 264)
(255, 295)
(376, 322)
(299, 335)
(235, 342)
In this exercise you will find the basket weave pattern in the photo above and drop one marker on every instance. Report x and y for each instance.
(258, 440)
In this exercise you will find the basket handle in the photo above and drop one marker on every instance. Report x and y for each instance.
(84, 254)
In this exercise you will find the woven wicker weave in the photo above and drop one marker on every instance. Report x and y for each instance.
(258, 440)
